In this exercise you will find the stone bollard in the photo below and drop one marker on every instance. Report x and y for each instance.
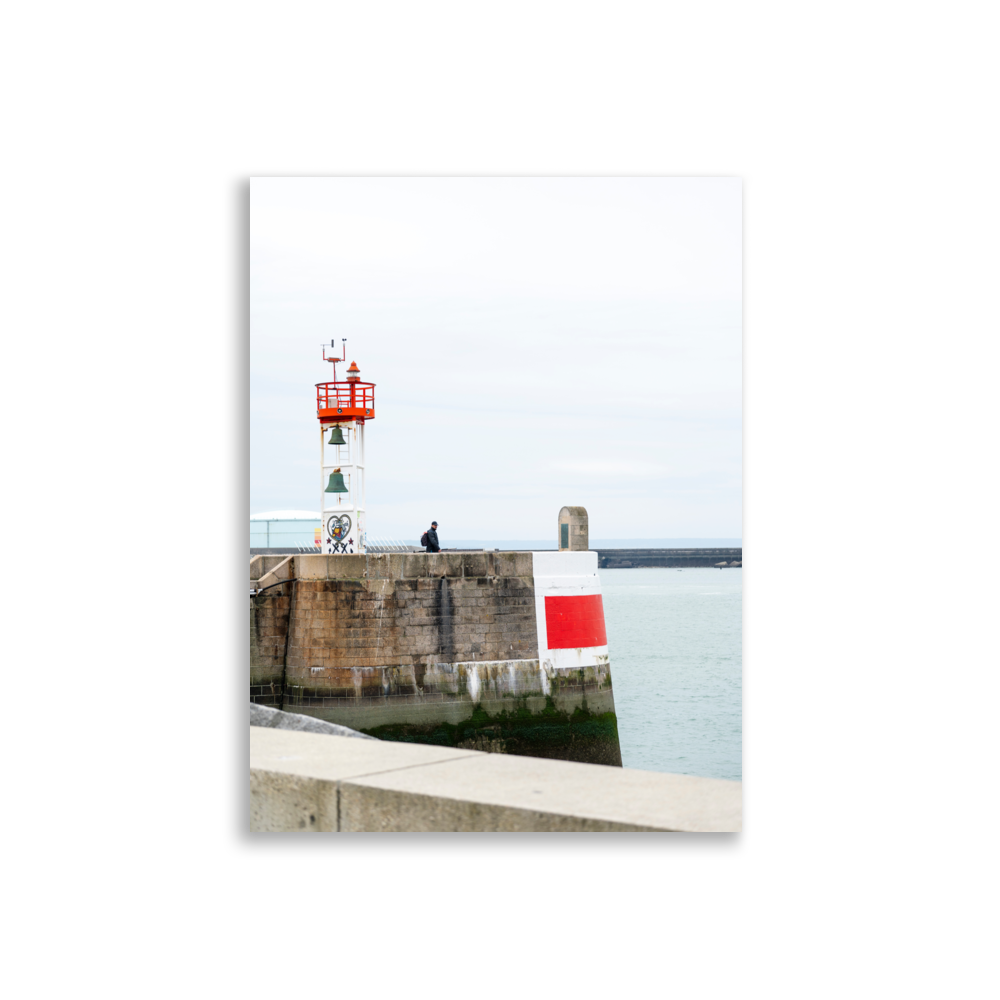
(574, 530)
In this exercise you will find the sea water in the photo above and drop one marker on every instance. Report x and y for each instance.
(675, 643)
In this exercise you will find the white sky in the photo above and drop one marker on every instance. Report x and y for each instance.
(534, 342)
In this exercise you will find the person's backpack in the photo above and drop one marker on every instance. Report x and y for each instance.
(424, 541)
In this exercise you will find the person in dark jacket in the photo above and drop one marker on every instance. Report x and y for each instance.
(432, 538)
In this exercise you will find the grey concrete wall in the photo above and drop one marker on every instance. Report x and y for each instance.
(311, 783)
(263, 564)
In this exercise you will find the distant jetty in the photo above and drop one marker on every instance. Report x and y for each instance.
(681, 558)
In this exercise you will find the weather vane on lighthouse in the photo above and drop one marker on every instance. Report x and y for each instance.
(343, 408)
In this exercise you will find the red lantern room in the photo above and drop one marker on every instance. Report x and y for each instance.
(352, 399)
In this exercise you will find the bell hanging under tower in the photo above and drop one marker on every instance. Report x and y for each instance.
(342, 409)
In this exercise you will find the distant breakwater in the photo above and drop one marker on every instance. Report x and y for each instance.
(681, 558)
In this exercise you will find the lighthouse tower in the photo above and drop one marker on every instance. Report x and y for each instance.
(342, 409)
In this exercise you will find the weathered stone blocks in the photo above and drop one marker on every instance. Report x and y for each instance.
(434, 648)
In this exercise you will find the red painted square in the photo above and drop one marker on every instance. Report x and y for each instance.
(575, 621)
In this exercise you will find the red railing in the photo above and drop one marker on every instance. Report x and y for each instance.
(354, 396)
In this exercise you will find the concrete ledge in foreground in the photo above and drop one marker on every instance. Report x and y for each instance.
(273, 718)
(310, 782)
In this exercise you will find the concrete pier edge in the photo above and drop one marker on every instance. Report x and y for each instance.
(311, 783)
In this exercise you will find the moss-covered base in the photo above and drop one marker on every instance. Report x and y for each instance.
(583, 736)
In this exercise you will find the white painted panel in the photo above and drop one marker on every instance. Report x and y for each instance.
(576, 564)
(560, 574)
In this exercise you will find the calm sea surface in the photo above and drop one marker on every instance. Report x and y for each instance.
(675, 639)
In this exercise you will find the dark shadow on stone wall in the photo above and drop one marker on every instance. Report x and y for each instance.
(446, 637)
(269, 616)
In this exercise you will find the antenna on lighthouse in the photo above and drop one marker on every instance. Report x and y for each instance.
(333, 361)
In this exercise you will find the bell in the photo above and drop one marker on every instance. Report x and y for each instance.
(336, 484)
(336, 435)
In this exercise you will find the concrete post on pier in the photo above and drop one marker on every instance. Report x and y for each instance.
(574, 530)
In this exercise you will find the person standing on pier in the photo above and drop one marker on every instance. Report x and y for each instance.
(430, 539)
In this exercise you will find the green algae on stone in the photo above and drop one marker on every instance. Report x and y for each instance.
(581, 736)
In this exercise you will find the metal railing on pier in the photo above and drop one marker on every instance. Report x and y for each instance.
(376, 544)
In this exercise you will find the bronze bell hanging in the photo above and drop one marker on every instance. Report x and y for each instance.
(336, 484)
(336, 435)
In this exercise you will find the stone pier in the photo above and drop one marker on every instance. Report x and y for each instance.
(463, 650)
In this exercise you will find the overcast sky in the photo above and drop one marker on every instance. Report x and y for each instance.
(535, 342)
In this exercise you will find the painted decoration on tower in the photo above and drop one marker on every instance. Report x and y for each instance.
(338, 527)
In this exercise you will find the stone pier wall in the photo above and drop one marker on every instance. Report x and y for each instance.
(437, 648)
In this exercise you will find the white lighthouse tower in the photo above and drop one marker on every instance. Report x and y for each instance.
(342, 409)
